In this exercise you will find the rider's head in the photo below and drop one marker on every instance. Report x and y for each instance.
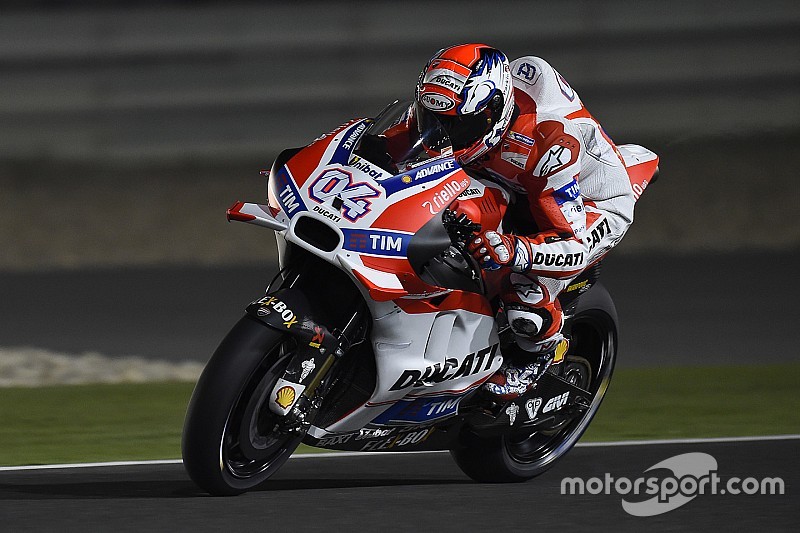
(467, 88)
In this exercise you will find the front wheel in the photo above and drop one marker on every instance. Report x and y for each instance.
(522, 455)
(231, 441)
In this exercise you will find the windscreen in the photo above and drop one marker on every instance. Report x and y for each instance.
(402, 137)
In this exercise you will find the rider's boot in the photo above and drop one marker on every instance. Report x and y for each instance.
(520, 371)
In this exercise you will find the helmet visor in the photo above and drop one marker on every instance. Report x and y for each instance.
(463, 130)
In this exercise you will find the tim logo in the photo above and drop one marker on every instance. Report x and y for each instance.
(352, 197)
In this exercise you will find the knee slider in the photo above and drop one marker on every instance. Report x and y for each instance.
(528, 322)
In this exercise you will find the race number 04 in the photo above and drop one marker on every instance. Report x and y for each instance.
(339, 183)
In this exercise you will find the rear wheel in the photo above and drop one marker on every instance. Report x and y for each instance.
(232, 442)
(524, 454)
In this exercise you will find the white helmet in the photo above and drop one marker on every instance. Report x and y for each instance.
(468, 89)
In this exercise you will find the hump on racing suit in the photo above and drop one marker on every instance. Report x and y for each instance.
(558, 156)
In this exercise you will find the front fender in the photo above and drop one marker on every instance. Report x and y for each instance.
(288, 311)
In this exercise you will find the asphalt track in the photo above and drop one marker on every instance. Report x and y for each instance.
(674, 310)
(411, 492)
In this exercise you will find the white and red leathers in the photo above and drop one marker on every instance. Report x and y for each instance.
(571, 181)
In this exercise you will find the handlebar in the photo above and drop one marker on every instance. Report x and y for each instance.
(459, 228)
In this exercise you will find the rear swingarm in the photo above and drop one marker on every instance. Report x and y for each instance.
(550, 402)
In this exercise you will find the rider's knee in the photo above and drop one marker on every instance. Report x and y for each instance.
(530, 323)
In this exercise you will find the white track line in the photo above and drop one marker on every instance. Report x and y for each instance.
(363, 454)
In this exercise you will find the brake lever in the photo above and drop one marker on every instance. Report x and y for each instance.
(460, 228)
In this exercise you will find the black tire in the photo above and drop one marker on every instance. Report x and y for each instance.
(523, 455)
(229, 440)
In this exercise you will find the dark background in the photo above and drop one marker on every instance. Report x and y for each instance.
(127, 128)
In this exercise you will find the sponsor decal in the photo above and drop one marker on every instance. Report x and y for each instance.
(577, 286)
(445, 195)
(437, 102)
(403, 439)
(317, 339)
(532, 407)
(569, 192)
(556, 157)
(519, 160)
(364, 166)
(597, 232)
(338, 183)
(436, 168)
(342, 152)
(448, 81)
(471, 193)
(570, 202)
(350, 142)
(444, 77)
(512, 411)
(376, 242)
(287, 193)
(556, 403)
(373, 433)
(419, 410)
(334, 440)
(326, 213)
(527, 72)
(450, 369)
(307, 366)
(559, 260)
(638, 189)
(524, 139)
(423, 174)
(270, 302)
(285, 396)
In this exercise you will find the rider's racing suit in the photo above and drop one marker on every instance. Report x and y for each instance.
(570, 182)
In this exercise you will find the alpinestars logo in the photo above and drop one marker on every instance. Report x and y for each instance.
(335, 183)
(556, 157)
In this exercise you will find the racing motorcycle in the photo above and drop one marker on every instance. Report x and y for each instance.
(379, 329)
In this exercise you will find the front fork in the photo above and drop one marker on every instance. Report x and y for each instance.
(298, 392)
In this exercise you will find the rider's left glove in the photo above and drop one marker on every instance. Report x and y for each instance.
(494, 250)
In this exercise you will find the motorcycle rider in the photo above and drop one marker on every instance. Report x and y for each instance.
(522, 124)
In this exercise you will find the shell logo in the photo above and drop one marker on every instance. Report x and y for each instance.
(285, 396)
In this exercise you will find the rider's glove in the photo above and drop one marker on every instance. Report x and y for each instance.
(494, 250)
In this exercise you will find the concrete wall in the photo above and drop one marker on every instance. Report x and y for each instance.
(234, 81)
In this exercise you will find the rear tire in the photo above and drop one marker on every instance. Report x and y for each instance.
(522, 455)
(231, 441)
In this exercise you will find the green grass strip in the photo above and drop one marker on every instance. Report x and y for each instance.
(670, 403)
(89, 423)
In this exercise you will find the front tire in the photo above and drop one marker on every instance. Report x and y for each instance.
(231, 441)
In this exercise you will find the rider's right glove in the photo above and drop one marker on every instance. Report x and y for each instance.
(494, 250)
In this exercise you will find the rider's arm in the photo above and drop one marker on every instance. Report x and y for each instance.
(558, 250)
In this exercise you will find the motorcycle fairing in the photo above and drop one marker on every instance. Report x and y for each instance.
(422, 350)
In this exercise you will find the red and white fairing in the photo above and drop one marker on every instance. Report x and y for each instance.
(421, 349)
